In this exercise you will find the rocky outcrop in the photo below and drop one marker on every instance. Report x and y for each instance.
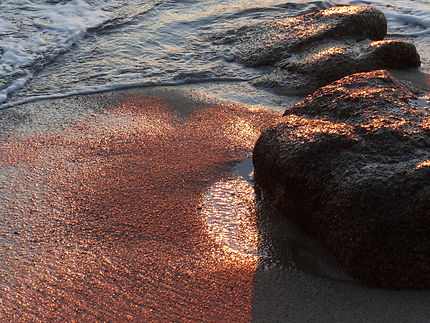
(271, 42)
(351, 165)
(329, 61)
(312, 50)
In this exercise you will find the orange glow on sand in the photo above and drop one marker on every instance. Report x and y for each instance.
(104, 216)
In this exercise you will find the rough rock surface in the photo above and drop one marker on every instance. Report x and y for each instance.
(314, 49)
(269, 43)
(351, 165)
(329, 61)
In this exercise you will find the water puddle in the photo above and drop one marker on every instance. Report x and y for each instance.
(228, 209)
(240, 223)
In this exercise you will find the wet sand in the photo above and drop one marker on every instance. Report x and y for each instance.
(101, 208)
(105, 202)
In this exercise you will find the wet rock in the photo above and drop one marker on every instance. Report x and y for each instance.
(328, 61)
(312, 50)
(273, 41)
(351, 165)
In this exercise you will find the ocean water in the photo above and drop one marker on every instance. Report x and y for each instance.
(52, 48)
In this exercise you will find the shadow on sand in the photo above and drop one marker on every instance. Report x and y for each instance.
(103, 219)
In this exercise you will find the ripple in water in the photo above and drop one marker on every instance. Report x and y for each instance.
(231, 219)
(229, 213)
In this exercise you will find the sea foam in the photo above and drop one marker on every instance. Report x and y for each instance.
(405, 18)
(52, 29)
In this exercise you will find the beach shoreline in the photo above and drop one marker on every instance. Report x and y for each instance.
(102, 205)
(102, 200)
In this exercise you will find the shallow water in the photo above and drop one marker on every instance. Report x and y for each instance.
(56, 47)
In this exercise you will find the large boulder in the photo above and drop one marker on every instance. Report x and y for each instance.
(314, 49)
(351, 165)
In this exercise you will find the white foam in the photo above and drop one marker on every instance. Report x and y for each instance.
(114, 87)
(405, 18)
(54, 29)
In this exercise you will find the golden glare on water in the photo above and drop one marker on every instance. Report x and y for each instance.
(228, 210)
(425, 124)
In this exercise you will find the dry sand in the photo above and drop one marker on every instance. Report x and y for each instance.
(103, 218)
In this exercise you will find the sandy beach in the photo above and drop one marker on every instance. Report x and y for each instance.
(105, 218)
(102, 199)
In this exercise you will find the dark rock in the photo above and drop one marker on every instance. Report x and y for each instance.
(326, 62)
(267, 43)
(351, 165)
(312, 50)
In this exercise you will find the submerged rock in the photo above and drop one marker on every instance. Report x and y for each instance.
(314, 49)
(351, 165)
